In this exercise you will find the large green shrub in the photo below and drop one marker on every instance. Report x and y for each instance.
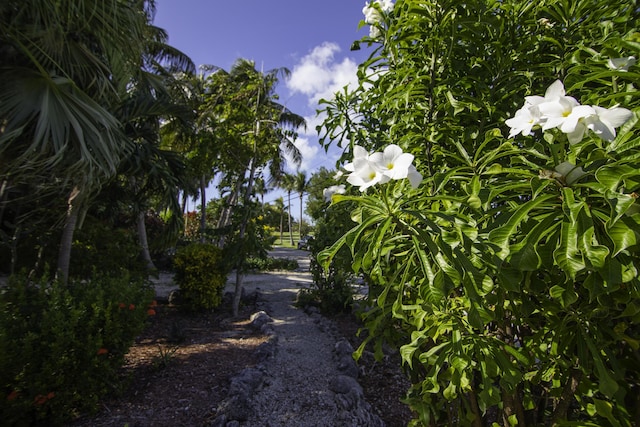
(201, 272)
(61, 347)
(508, 279)
(99, 246)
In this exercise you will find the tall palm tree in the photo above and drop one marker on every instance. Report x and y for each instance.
(288, 184)
(279, 204)
(300, 187)
(254, 132)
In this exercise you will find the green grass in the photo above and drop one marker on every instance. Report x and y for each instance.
(286, 241)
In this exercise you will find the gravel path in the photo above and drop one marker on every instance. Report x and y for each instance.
(308, 378)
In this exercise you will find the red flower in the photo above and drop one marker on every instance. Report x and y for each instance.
(154, 303)
(151, 312)
(132, 307)
(13, 395)
(40, 400)
(102, 351)
(122, 305)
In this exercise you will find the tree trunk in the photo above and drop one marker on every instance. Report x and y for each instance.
(64, 253)
(290, 227)
(300, 227)
(144, 243)
(560, 413)
(243, 229)
(475, 408)
(203, 208)
(281, 225)
(185, 214)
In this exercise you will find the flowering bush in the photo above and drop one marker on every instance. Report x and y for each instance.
(61, 346)
(507, 276)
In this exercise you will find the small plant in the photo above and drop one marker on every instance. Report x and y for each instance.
(165, 357)
(201, 272)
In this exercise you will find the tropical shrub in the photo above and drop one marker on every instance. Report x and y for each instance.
(201, 273)
(99, 246)
(507, 277)
(61, 346)
(332, 289)
(271, 263)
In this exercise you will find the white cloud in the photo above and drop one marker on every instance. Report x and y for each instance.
(318, 75)
(312, 123)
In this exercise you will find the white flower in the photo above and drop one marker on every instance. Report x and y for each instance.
(373, 15)
(557, 110)
(415, 177)
(576, 115)
(380, 167)
(544, 22)
(334, 189)
(365, 175)
(358, 153)
(621, 64)
(605, 121)
(338, 175)
(392, 162)
(386, 5)
(524, 120)
(555, 107)
(556, 90)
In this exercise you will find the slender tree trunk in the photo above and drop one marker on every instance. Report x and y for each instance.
(281, 225)
(290, 227)
(203, 208)
(300, 225)
(513, 406)
(185, 214)
(560, 413)
(144, 243)
(475, 408)
(243, 229)
(64, 253)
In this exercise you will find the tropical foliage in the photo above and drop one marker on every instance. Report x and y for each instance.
(103, 125)
(508, 278)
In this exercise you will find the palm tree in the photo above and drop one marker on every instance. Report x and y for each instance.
(65, 65)
(301, 186)
(288, 184)
(279, 203)
(254, 132)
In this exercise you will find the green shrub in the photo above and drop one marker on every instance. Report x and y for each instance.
(331, 291)
(201, 272)
(102, 247)
(61, 346)
(270, 264)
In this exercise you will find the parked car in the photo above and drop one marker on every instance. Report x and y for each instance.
(305, 243)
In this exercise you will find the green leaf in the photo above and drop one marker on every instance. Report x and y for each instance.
(620, 205)
(624, 233)
(502, 236)
(566, 296)
(516, 354)
(605, 409)
(450, 393)
(612, 176)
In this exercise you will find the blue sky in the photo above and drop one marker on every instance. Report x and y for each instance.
(310, 38)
